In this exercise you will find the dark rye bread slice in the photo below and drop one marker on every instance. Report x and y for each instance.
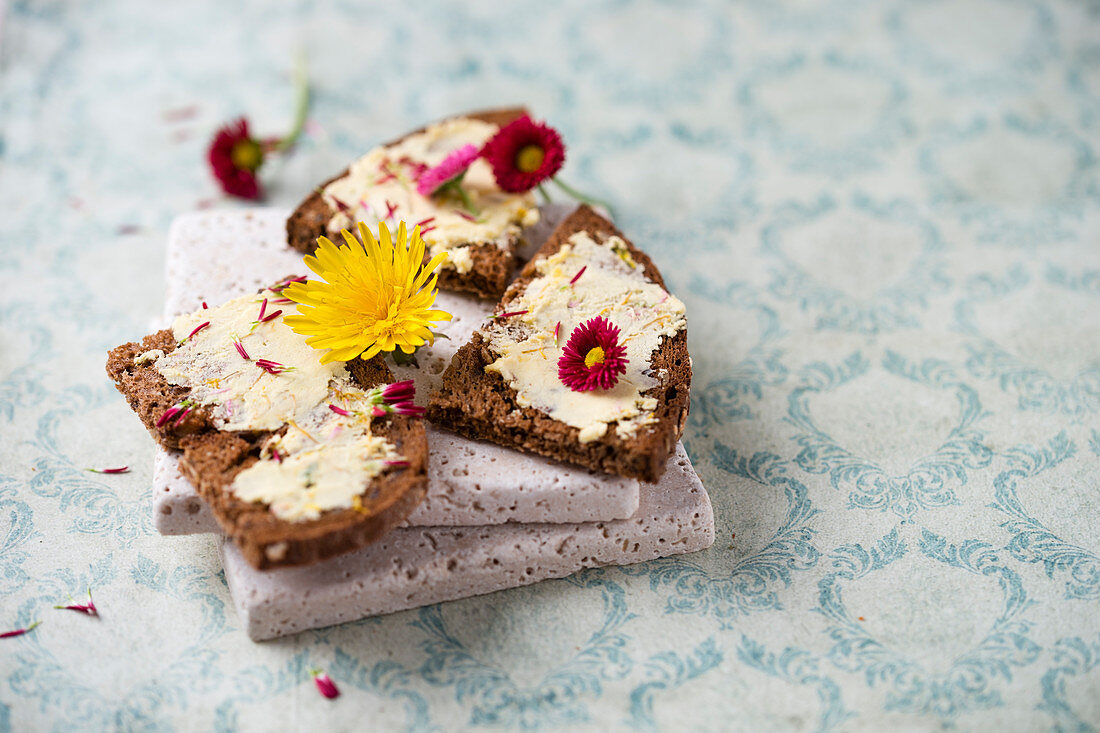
(212, 459)
(479, 404)
(492, 266)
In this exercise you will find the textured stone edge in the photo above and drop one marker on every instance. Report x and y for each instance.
(545, 491)
(415, 567)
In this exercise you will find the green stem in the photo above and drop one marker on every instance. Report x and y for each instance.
(301, 86)
(582, 197)
(545, 195)
(457, 186)
(401, 358)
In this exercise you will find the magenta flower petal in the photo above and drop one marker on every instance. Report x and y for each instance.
(324, 683)
(450, 168)
(399, 391)
(198, 328)
(271, 367)
(182, 416)
(85, 608)
(174, 412)
(168, 415)
(408, 408)
(19, 632)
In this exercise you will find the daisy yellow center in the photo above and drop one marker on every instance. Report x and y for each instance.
(246, 154)
(593, 357)
(530, 157)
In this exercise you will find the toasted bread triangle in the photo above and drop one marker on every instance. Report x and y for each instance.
(479, 404)
(212, 459)
(492, 265)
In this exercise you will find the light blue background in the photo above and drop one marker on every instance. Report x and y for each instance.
(885, 220)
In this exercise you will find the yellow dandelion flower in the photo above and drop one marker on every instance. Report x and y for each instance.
(374, 295)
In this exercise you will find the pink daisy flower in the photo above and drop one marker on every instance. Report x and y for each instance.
(592, 358)
(234, 157)
(523, 154)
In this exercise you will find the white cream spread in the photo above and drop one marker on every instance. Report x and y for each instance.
(147, 356)
(613, 286)
(381, 186)
(324, 460)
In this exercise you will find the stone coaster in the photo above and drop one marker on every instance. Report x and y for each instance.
(418, 566)
(215, 256)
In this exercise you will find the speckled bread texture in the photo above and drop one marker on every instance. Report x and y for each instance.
(480, 405)
(469, 483)
(492, 264)
(211, 460)
(420, 566)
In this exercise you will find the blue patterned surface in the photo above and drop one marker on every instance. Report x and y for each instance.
(885, 221)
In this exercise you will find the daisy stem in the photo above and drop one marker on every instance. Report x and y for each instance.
(581, 197)
(545, 194)
(301, 86)
(465, 199)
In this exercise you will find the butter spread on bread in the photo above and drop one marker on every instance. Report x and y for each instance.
(255, 374)
(381, 186)
(583, 279)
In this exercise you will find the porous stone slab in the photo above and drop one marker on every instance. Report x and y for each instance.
(215, 256)
(469, 484)
(418, 566)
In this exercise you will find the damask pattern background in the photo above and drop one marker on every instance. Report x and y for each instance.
(884, 218)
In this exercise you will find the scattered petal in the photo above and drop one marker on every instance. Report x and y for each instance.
(403, 391)
(19, 632)
(179, 114)
(271, 367)
(85, 608)
(198, 328)
(324, 683)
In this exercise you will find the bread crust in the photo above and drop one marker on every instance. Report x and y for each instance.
(492, 265)
(212, 459)
(479, 404)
